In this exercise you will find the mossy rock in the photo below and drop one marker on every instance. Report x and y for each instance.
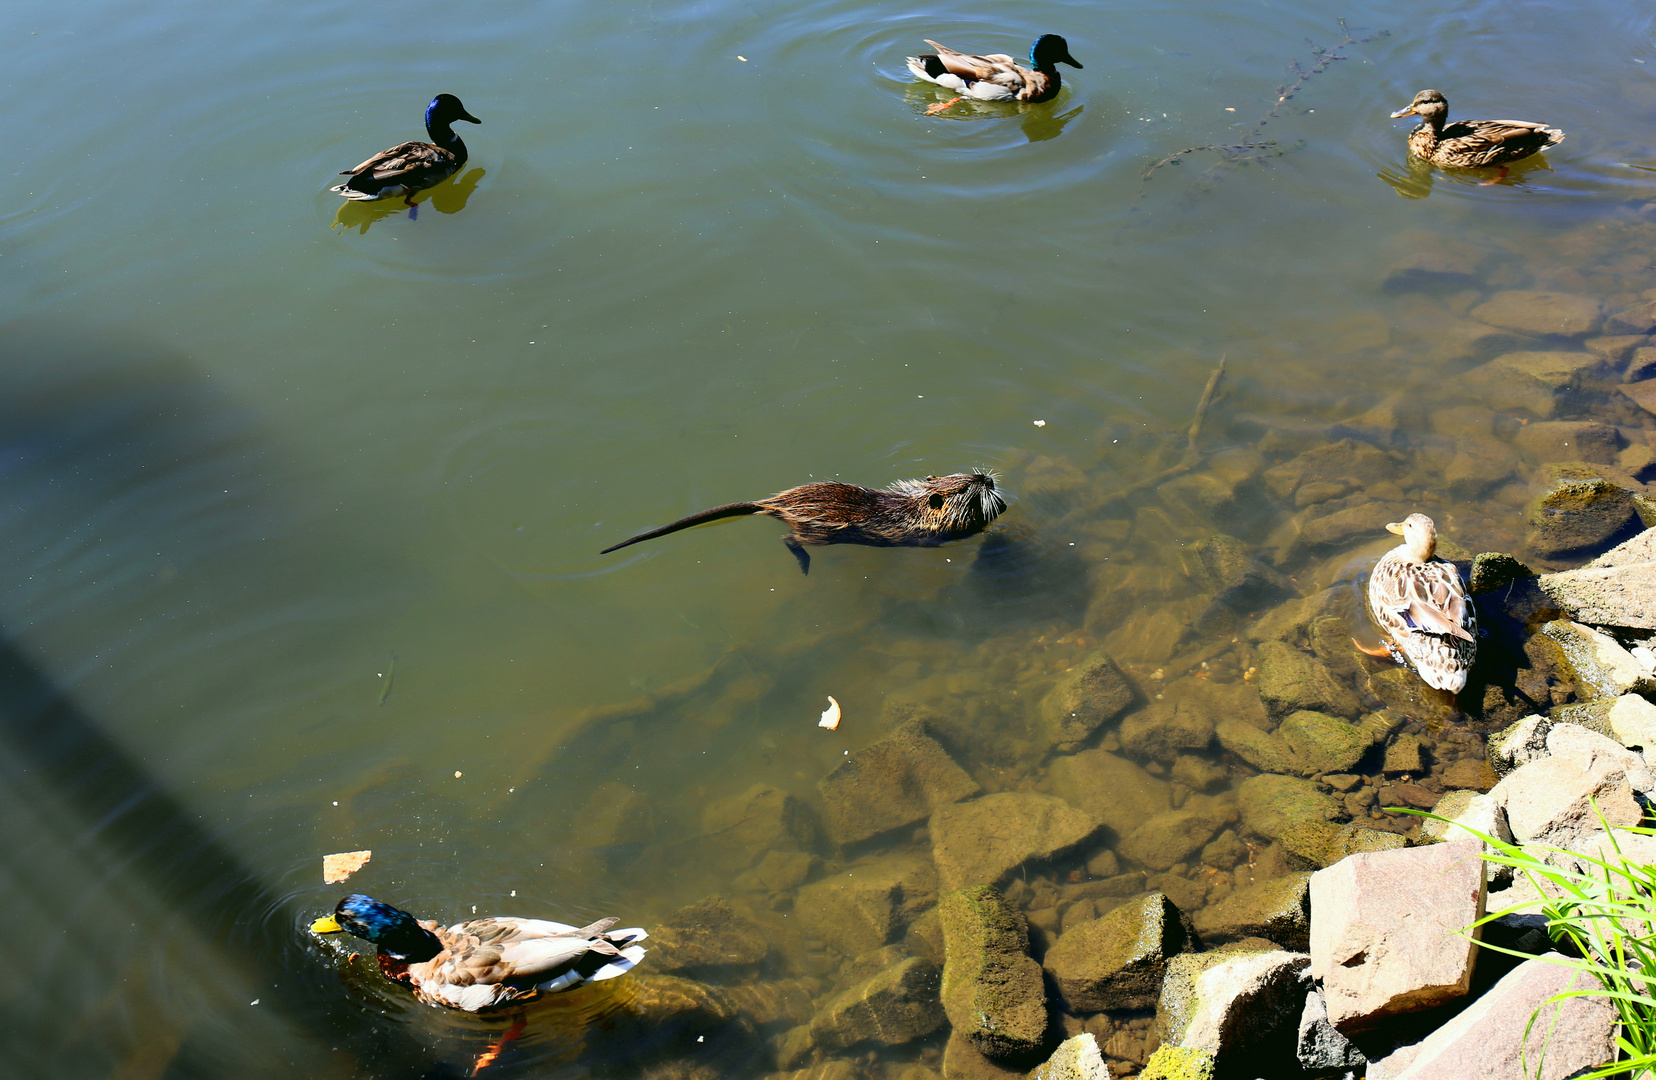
(1277, 909)
(1325, 743)
(1117, 961)
(1578, 517)
(1492, 570)
(992, 991)
(1178, 1063)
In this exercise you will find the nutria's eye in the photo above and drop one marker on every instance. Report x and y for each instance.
(929, 479)
(935, 502)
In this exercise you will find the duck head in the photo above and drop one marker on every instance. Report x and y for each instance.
(1050, 49)
(1419, 535)
(392, 929)
(1429, 105)
(444, 110)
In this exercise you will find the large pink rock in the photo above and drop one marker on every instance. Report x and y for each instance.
(1558, 800)
(1486, 1040)
(1386, 930)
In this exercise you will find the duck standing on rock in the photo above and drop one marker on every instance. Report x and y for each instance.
(996, 77)
(1472, 144)
(1420, 604)
(411, 167)
(483, 963)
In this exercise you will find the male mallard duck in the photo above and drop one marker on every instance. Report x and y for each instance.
(1471, 144)
(481, 963)
(1420, 604)
(996, 77)
(413, 166)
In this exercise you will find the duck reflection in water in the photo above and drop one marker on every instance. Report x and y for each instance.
(1040, 122)
(448, 197)
(1413, 177)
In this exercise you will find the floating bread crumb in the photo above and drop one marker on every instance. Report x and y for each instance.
(341, 865)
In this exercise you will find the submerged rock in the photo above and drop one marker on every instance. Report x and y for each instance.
(1616, 589)
(1277, 909)
(1570, 440)
(1174, 836)
(1312, 845)
(1165, 730)
(1112, 789)
(992, 991)
(1259, 748)
(891, 783)
(1324, 743)
(1271, 803)
(895, 1006)
(982, 841)
(708, 933)
(1289, 681)
(1117, 961)
(869, 904)
(762, 819)
(1093, 693)
(1541, 314)
(1580, 516)
(1228, 569)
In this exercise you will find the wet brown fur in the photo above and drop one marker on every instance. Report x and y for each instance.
(909, 513)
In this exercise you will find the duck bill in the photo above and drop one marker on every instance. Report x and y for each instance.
(469, 118)
(1405, 111)
(1071, 61)
(327, 924)
(1392, 527)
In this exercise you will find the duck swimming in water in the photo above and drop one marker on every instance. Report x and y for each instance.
(411, 167)
(483, 963)
(996, 77)
(1420, 604)
(1471, 144)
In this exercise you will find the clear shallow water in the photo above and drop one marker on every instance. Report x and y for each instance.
(265, 455)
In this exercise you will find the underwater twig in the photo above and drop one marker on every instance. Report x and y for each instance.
(1257, 149)
(1192, 454)
(390, 676)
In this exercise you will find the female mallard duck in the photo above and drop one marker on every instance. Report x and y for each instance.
(1471, 144)
(413, 166)
(996, 77)
(1420, 604)
(482, 963)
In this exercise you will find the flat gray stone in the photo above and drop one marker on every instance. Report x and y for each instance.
(1387, 931)
(1487, 1041)
(1616, 589)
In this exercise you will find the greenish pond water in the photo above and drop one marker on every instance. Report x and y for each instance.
(303, 501)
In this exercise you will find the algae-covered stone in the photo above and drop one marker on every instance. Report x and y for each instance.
(1178, 999)
(1541, 314)
(1198, 774)
(1271, 803)
(1228, 569)
(1277, 909)
(1112, 789)
(992, 991)
(1325, 743)
(961, 1061)
(1117, 961)
(891, 783)
(1493, 570)
(1226, 850)
(1289, 680)
(868, 904)
(1403, 755)
(894, 1006)
(1259, 748)
(1174, 836)
(1075, 1059)
(1092, 693)
(708, 933)
(1178, 1063)
(1570, 440)
(1312, 845)
(1164, 731)
(1476, 811)
(1346, 461)
(1580, 516)
(982, 841)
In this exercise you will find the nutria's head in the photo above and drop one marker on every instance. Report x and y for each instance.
(960, 503)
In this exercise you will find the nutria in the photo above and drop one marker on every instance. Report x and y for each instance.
(909, 513)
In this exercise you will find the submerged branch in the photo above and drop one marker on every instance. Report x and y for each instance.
(1192, 454)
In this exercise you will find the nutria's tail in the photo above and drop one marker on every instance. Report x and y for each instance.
(736, 509)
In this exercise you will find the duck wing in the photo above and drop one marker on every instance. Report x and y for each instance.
(1423, 608)
(402, 160)
(1489, 142)
(975, 68)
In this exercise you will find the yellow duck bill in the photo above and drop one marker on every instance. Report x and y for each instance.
(327, 924)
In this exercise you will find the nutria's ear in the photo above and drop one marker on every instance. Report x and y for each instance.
(935, 502)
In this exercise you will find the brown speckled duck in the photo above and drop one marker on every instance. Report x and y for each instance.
(1471, 144)
(1420, 604)
(484, 963)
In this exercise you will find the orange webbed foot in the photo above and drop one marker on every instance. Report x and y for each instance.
(1379, 652)
(933, 110)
